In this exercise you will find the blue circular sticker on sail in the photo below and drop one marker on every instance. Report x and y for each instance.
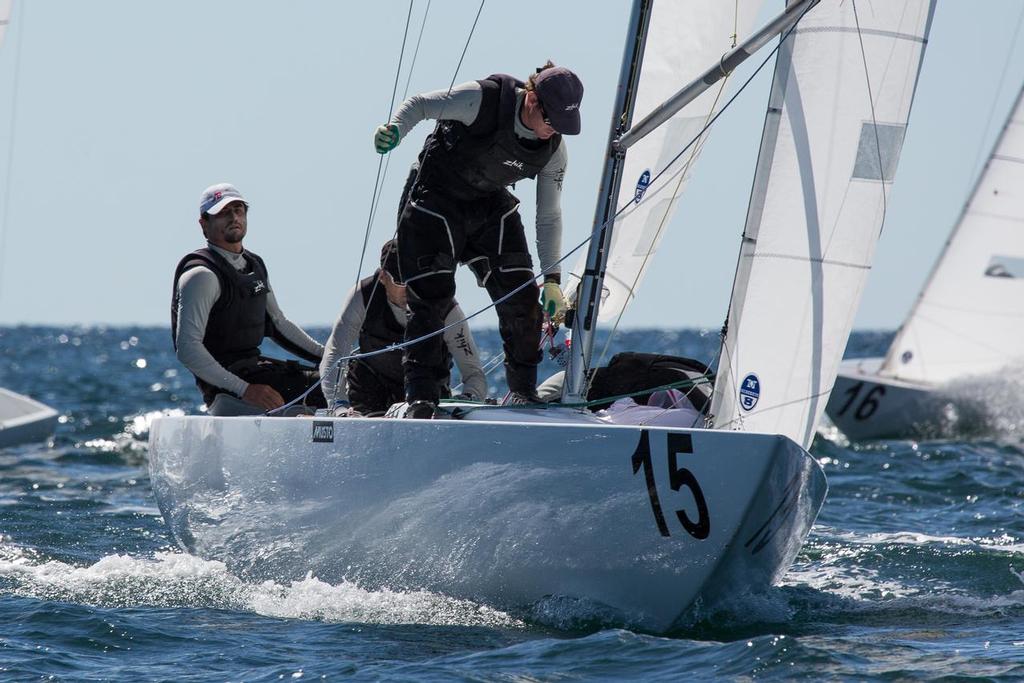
(750, 391)
(642, 185)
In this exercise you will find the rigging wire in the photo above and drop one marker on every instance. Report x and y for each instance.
(12, 128)
(682, 174)
(465, 48)
(378, 183)
(341, 363)
(405, 93)
(386, 159)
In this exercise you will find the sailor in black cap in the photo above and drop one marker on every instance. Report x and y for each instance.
(374, 317)
(491, 134)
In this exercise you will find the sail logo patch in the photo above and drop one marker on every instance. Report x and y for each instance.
(642, 185)
(750, 391)
(323, 432)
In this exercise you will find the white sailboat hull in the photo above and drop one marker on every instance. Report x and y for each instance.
(507, 513)
(24, 420)
(865, 405)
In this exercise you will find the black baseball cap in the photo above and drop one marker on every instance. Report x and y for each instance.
(560, 92)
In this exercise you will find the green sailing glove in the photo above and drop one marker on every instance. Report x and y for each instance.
(552, 301)
(385, 138)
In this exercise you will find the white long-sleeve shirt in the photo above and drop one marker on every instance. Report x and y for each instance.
(345, 336)
(198, 291)
(463, 104)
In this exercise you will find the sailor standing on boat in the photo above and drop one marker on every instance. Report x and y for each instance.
(223, 307)
(374, 317)
(491, 134)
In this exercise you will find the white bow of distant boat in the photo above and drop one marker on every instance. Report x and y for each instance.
(24, 420)
(515, 506)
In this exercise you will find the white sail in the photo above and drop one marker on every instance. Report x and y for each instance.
(685, 36)
(5, 18)
(844, 83)
(969, 318)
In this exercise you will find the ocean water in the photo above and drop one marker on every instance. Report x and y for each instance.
(914, 570)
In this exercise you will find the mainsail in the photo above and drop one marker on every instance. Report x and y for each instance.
(685, 36)
(837, 114)
(969, 318)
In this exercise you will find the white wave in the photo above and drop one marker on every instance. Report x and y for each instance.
(850, 581)
(1004, 543)
(132, 440)
(173, 579)
(840, 572)
(140, 424)
(828, 431)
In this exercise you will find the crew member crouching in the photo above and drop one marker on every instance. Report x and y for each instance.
(375, 316)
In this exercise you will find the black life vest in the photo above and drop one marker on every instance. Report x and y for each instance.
(380, 330)
(472, 162)
(238, 320)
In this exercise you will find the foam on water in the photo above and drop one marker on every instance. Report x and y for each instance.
(173, 579)
(132, 440)
(999, 395)
(1000, 544)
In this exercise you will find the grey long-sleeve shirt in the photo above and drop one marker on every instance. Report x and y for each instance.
(198, 291)
(463, 104)
(345, 337)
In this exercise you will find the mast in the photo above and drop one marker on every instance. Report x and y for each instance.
(589, 297)
(621, 137)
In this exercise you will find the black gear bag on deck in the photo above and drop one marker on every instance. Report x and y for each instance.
(629, 373)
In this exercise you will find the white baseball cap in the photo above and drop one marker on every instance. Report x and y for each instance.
(216, 197)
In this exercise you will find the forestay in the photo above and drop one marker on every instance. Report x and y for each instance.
(969, 318)
(685, 36)
(837, 114)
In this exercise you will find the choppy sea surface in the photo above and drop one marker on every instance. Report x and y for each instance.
(914, 570)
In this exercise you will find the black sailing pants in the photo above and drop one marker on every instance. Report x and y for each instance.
(289, 378)
(435, 232)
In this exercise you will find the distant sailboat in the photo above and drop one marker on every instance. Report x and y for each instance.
(22, 419)
(967, 322)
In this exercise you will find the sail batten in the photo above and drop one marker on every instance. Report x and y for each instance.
(833, 134)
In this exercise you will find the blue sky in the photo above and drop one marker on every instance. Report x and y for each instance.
(125, 110)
